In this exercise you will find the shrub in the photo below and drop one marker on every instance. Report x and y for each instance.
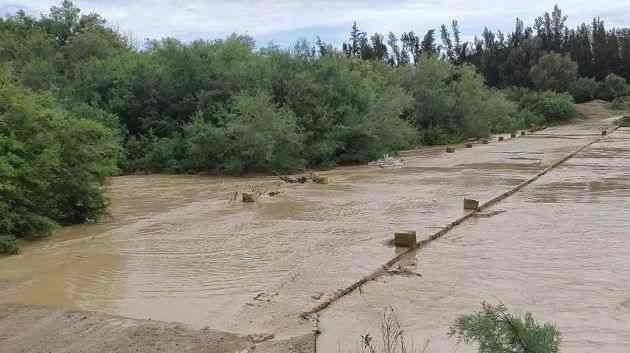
(525, 118)
(554, 72)
(495, 330)
(554, 107)
(452, 102)
(392, 338)
(52, 164)
(584, 89)
(8, 245)
(614, 86)
(256, 136)
(618, 103)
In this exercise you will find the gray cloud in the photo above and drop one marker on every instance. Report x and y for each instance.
(279, 19)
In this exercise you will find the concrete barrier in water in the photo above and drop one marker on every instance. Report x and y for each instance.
(382, 270)
(470, 204)
(405, 239)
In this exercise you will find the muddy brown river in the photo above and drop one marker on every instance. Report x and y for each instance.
(177, 248)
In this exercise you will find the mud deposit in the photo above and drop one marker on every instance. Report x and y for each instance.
(177, 249)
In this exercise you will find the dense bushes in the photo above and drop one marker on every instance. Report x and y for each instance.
(554, 72)
(452, 102)
(255, 136)
(553, 107)
(52, 164)
(584, 89)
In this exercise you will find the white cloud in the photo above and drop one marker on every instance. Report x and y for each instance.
(210, 19)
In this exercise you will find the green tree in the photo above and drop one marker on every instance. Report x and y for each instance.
(555, 72)
(495, 330)
(614, 86)
(255, 136)
(584, 89)
(52, 164)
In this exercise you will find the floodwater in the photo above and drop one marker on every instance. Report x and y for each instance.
(560, 249)
(176, 248)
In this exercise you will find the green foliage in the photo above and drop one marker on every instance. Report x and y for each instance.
(618, 103)
(554, 107)
(555, 72)
(584, 89)
(8, 244)
(52, 164)
(255, 136)
(495, 330)
(613, 87)
(452, 102)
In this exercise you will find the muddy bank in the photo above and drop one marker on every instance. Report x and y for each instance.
(35, 329)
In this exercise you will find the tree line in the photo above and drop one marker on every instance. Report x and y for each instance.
(589, 51)
(80, 102)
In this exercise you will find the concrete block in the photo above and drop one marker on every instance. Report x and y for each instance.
(405, 239)
(470, 204)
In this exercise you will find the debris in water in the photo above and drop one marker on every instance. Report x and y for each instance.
(317, 296)
(247, 197)
(469, 145)
(402, 270)
(489, 214)
(513, 134)
(273, 193)
(485, 141)
(450, 149)
(319, 179)
(388, 162)
(299, 180)
(501, 138)
(261, 337)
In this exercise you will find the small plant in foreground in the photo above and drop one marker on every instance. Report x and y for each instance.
(497, 331)
(393, 339)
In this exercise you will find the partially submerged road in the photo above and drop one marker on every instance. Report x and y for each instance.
(176, 248)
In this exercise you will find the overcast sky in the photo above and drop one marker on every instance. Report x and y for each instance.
(283, 21)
